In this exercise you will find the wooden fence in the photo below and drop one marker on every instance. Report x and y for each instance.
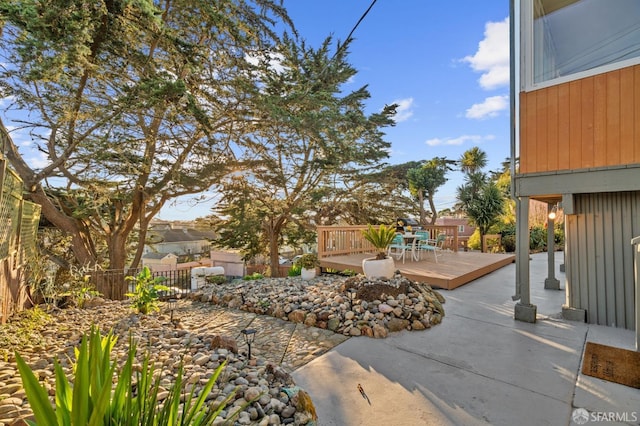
(18, 230)
(346, 240)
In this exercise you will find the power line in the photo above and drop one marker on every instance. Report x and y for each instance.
(360, 20)
(354, 28)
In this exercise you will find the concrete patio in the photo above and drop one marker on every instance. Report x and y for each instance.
(478, 367)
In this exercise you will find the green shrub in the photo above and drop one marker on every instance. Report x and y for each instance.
(307, 261)
(216, 279)
(79, 288)
(254, 276)
(558, 235)
(474, 241)
(145, 296)
(509, 243)
(508, 233)
(94, 400)
(348, 273)
(537, 238)
(23, 328)
(295, 270)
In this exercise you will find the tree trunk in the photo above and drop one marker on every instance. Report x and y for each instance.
(274, 258)
(423, 214)
(117, 251)
(140, 249)
(123, 228)
(142, 237)
(434, 213)
(272, 231)
(81, 242)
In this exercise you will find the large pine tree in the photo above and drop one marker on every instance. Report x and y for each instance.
(131, 102)
(308, 134)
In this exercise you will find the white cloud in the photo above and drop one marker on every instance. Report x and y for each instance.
(34, 157)
(492, 56)
(460, 140)
(491, 107)
(6, 100)
(274, 60)
(37, 160)
(403, 111)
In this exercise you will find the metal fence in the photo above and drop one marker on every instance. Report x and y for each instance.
(113, 284)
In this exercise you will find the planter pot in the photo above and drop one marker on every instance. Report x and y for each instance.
(379, 268)
(307, 274)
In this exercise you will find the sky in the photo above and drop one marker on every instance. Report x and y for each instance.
(445, 63)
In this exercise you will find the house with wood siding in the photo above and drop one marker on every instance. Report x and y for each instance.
(575, 145)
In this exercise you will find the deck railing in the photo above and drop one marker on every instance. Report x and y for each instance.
(345, 240)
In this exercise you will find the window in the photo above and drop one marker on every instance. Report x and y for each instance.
(460, 228)
(576, 36)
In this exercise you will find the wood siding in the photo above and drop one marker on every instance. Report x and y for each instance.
(591, 122)
(599, 257)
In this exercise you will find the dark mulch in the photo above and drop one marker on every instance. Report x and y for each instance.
(371, 292)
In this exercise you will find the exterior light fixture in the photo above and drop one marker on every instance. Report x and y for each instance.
(249, 335)
(351, 293)
(172, 307)
(554, 212)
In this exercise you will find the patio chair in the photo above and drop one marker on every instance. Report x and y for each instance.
(398, 248)
(434, 246)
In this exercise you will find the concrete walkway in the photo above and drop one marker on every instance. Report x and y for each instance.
(478, 367)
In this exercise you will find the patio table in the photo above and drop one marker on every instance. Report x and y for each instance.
(410, 239)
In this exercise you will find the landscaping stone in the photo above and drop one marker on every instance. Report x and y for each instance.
(193, 342)
(205, 332)
(378, 302)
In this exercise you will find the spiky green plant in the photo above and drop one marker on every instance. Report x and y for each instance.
(93, 400)
(380, 238)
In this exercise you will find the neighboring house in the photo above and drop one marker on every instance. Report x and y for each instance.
(465, 229)
(576, 131)
(160, 261)
(181, 242)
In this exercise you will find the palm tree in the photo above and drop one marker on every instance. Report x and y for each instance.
(473, 160)
(486, 208)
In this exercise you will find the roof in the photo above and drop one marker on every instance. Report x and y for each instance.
(178, 235)
(447, 220)
(157, 255)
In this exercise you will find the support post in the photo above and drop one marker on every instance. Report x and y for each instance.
(636, 251)
(551, 283)
(524, 310)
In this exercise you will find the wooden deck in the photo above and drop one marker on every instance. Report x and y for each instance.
(452, 270)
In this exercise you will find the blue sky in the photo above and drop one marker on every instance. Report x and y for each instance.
(446, 63)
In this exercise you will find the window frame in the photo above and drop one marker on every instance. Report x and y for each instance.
(527, 57)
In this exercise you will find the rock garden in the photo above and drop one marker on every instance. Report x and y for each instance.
(263, 391)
